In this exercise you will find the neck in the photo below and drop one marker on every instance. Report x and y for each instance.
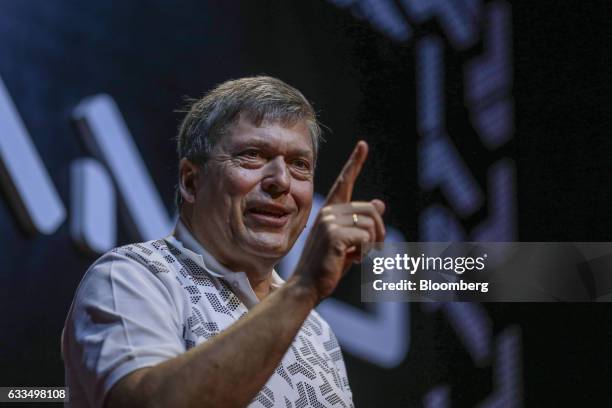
(261, 287)
(258, 270)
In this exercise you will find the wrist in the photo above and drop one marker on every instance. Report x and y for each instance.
(303, 290)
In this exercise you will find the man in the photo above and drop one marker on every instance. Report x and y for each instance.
(200, 318)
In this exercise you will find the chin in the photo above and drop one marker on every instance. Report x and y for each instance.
(268, 245)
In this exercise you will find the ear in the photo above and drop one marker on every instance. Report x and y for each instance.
(188, 180)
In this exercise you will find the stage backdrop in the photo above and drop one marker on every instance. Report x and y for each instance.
(487, 120)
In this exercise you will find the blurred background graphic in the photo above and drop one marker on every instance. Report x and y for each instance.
(487, 121)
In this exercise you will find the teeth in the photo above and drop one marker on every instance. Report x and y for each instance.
(264, 212)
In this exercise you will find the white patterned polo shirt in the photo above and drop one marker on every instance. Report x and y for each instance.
(141, 304)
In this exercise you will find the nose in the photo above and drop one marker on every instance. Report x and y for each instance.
(276, 178)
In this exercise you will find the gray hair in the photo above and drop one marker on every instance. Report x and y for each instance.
(258, 99)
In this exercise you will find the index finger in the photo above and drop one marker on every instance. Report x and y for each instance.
(342, 190)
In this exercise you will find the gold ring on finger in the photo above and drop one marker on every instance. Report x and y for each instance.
(355, 219)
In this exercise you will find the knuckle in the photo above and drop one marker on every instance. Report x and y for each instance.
(371, 209)
(326, 210)
(328, 218)
(330, 229)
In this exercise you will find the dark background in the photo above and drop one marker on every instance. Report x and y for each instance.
(150, 55)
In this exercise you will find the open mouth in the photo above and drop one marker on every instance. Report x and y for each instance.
(268, 215)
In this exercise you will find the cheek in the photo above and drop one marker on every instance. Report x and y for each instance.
(302, 194)
(225, 189)
(239, 182)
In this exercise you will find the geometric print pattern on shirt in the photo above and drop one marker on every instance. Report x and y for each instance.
(312, 372)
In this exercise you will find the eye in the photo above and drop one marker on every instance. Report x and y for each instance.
(251, 154)
(250, 158)
(301, 164)
(301, 169)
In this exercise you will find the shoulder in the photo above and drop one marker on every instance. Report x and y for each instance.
(155, 255)
(144, 266)
(152, 256)
(131, 281)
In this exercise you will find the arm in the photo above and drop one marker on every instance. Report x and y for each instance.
(230, 369)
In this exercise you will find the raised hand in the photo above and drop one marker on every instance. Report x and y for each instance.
(341, 228)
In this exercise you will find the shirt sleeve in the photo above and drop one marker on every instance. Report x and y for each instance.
(123, 318)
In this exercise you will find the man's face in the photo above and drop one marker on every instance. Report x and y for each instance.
(254, 198)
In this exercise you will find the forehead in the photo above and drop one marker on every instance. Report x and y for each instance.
(294, 138)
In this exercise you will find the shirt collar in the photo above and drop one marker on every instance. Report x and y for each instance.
(186, 242)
